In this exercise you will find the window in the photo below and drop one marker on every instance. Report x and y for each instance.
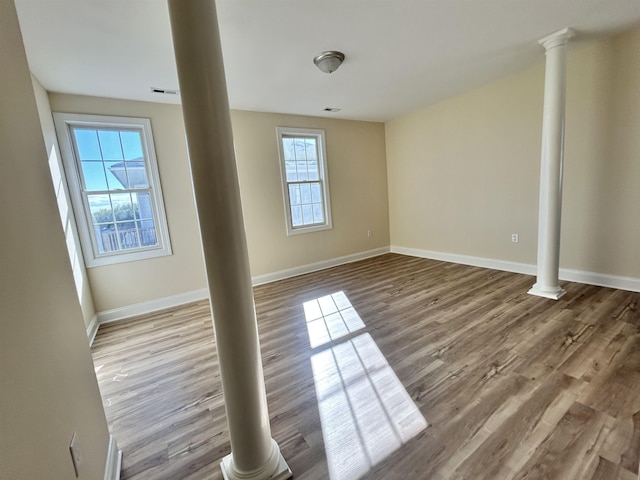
(115, 188)
(305, 182)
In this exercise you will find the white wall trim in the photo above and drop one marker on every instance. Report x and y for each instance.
(202, 294)
(92, 329)
(579, 276)
(314, 267)
(591, 278)
(503, 265)
(114, 460)
(152, 305)
(601, 279)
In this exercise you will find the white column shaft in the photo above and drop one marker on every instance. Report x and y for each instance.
(254, 455)
(550, 206)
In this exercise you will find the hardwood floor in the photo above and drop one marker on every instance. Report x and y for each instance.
(512, 386)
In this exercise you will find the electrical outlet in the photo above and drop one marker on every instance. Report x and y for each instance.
(515, 238)
(76, 454)
(369, 233)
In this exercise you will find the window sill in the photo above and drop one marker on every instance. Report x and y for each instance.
(128, 257)
(310, 229)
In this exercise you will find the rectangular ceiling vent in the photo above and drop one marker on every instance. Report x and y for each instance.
(164, 91)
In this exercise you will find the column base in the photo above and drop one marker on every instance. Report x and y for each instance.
(275, 468)
(554, 293)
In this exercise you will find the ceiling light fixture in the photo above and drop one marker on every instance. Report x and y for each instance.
(328, 62)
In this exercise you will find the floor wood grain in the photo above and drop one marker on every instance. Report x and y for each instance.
(419, 369)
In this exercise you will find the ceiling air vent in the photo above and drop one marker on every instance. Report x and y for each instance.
(164, 91)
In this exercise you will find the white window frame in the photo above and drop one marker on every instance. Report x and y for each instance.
(64, 122)
(319, 135)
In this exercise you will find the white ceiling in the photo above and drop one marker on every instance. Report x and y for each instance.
(400, 54)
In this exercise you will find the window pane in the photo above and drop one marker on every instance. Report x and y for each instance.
(94, 176)
(287, 149)
(318, 213)
(126, 175)
(131, 145)
(106, 237)
(87, 144)
(142, 206)
(147, 232)
(307, 214)
(310, 147)
(136, 174)
(302, 171)
(316, 193)
(127, 235)
(100, 207)
(300, 149)
(122, 206)
(294, 194)
(296, 216)
(291, 173)
(312, 168)
(305, 193)
(116, 175)
(110, 145)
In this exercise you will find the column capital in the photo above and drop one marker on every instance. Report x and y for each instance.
(559, 38)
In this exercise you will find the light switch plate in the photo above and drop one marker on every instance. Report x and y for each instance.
(76, 455)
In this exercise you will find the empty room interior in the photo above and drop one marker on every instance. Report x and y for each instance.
(377, 240)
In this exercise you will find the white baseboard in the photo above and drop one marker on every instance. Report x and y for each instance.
(314, 267)
(114, 460)
(603, 280)
(92, 329)
(514, 267)
(579, 276)
(152, 305)
(196, 295)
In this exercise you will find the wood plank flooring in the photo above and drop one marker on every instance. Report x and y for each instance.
(511, 386)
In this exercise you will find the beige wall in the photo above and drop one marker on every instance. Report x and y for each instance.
(80, 275)
(357, 175)
(601, 211)
(464, 173)
(357, 183)
(47, 381)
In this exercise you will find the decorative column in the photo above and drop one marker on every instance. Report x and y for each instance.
(550, 207)
(205, 106)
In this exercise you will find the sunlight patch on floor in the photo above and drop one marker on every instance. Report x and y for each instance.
(365, 412)
(329, 318)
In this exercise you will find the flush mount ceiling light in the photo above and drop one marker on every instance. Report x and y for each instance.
(328, 62)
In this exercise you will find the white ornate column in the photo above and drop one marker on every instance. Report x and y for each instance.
(254, 454)
(550, 206)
